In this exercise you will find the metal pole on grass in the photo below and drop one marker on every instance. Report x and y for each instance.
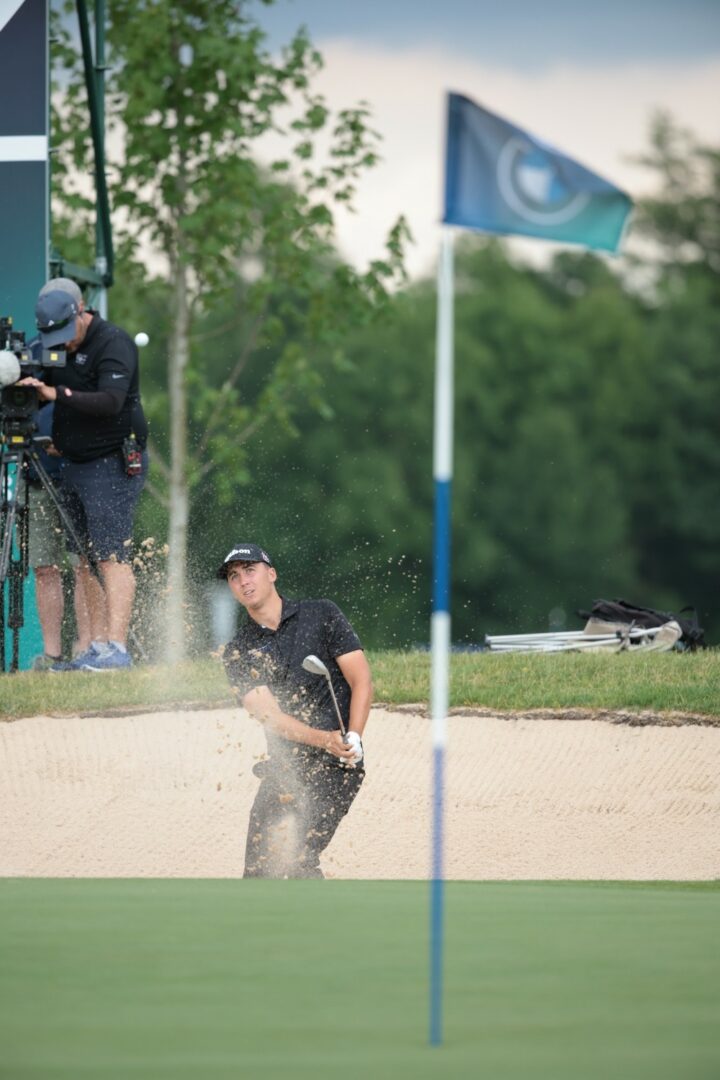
(440, 623)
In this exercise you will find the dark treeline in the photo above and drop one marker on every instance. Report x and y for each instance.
(587, 454)
(585, 439)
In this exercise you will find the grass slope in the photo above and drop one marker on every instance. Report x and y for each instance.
(220, 979)
(680, 682)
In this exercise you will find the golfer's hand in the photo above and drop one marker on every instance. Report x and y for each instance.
(333, 743)
(354, 743)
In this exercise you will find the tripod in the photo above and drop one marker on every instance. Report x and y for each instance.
(23, 451)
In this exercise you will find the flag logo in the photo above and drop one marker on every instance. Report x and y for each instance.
(532, 186)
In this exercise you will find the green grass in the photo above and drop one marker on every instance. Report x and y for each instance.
(30, 694)
(219, 979)
(664, 682)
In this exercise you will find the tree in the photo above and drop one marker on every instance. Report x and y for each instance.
(683, 218)
(548, 374)
(586, 453)
(193, 92)
(677, 510)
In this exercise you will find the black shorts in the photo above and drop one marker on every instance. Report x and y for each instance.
(295, 816)
(100, 499)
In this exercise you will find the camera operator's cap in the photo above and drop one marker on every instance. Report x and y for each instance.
(62, 284)
(55, 314)
(244, 553)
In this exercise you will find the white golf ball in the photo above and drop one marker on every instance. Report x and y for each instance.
(141, 338)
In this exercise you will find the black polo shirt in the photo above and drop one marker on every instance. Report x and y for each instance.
(258, 656)
(107, 359)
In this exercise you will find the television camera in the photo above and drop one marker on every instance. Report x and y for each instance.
(18, 404)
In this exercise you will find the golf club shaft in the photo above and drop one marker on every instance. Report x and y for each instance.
(337, 707)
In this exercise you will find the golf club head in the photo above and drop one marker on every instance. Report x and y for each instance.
(314, 665)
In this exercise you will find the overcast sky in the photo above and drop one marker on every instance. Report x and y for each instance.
(586, 77)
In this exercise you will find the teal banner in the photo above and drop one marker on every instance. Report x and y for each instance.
(24, 206)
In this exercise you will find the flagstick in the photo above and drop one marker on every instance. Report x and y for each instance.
(476, 141)
(440, 624)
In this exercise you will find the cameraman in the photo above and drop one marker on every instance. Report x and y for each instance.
(46, 548)
(99, 427)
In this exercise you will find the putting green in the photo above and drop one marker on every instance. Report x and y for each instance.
(106, 979)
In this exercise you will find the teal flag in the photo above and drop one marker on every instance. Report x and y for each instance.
(500, 179)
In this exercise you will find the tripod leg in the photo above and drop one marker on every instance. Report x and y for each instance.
(9, 513)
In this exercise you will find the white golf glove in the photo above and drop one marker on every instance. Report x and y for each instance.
(352, 739)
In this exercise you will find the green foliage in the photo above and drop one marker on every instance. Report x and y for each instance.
(542, 427)
(192, 93)
(586, 458)
(575, 477)
(683, 218)
(676, 508)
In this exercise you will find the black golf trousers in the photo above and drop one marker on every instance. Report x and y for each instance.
(295, 815)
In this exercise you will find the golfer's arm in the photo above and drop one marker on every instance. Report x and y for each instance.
(263, 705)
(356, 672)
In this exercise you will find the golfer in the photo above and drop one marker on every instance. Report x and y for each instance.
(311, 774)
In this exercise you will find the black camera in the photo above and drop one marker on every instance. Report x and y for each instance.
(18, 404)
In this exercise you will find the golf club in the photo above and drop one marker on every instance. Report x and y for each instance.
(315, 666)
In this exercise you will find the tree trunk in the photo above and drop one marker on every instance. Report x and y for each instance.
(175, 608)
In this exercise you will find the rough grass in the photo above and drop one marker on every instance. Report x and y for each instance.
(661, 683)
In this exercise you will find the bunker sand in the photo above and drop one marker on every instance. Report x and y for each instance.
(169, 794)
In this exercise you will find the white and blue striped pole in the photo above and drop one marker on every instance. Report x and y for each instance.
(440, 624)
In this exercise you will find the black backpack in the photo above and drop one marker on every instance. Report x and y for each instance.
(620, 611)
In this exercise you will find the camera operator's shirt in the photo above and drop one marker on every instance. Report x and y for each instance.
(258, 656)
(107, 360)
